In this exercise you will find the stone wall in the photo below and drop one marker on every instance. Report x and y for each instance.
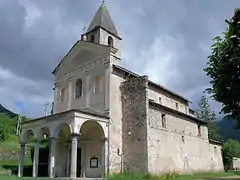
(236, 163)
(134, 124)
(177, 147)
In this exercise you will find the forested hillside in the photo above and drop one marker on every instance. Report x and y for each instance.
(227, 130)
(6, 111)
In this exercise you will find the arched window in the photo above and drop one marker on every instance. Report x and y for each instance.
(61, 95)
(78, 89)
(97, 85)
(92, 38)
(110, 41)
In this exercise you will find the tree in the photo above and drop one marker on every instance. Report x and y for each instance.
(223, 69)
(205, 113)
(230, 149)
(6, 126)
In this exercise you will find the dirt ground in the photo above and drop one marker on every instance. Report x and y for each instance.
(228, 178)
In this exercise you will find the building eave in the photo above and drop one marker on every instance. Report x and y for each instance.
(97, 27)
(173, 111)
(54, 71)
(124, 70)
(70, 51)
(211, 141)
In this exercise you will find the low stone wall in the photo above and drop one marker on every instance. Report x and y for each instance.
(9, 155)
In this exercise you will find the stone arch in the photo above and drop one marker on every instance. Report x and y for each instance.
(25, 134)
(92, 129)
(43, 131)
(59, 128)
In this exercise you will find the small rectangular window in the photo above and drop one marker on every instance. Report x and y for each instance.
(160, 100)
(164, 123)
(199, 131)
(177, 106)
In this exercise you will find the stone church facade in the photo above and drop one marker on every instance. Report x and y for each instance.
(107, 119)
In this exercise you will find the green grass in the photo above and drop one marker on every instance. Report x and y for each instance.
(128, 176)
(9, 177)
(8, 164)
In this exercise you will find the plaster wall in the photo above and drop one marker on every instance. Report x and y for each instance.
(115, 122)
(61, 160)
(116, 42)
(178, 148)
(93, 149)
(236, 163)
(88, 99)
(167, 99)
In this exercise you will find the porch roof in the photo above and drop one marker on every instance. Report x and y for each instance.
(53, 116)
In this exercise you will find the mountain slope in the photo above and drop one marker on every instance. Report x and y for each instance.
(227, 130)
(6, 111)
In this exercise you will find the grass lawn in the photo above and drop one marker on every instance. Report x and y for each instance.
(10, 177)
(173, 176)
(126, 176)
(8, 164)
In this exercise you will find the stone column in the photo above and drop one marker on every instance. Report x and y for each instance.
(83, 159)
(52, 156)
(35, 158)
(74, 156)
(106, 170)
(21, 159)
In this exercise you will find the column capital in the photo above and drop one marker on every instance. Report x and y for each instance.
(75, 135)
(36, 140)
(22, 143)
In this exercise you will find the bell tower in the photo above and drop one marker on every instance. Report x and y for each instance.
(103, 31)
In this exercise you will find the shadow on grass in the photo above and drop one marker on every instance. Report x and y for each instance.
(27, 171)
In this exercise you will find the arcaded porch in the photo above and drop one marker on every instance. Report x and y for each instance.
(78, 144)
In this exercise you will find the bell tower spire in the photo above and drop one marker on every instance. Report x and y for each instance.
(102, 29)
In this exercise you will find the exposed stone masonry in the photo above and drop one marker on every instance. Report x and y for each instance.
(134, 124)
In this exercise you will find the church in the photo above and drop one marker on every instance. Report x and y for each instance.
(107, 119)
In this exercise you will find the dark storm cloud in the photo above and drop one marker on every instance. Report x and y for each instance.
(169, 40)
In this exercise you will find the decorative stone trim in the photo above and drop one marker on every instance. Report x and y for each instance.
(81, 68)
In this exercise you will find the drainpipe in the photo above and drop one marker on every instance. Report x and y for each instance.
(120, 154)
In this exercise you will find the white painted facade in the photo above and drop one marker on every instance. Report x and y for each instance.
(92, 121)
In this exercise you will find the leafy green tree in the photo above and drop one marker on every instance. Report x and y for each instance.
(6, 126)
(230, 149)
(205, 113)
(224, 69)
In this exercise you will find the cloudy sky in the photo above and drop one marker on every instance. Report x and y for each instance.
(167, 40)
